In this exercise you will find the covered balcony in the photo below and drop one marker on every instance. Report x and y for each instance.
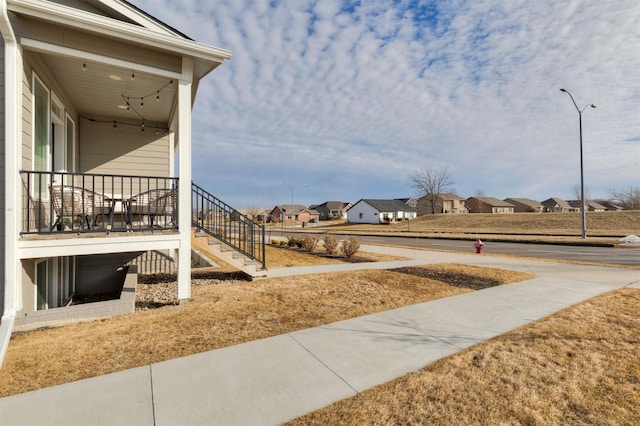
(74, 203)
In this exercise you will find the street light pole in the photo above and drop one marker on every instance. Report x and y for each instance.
(293, 214)
(582, 200)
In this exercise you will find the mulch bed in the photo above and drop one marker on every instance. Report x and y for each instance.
(456, 279)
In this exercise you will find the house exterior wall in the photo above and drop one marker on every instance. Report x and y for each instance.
(363, 213)
(3, 139)
(33, 64)
(123, 151)
(29, 289)
(475, 206)
(27, 118)
(442, 206)
(501, 210)
(520, 207)
(84, 312)
(424, 206)
(306, 216)
(479, 206)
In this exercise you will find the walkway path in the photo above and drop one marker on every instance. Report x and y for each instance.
(279, 378)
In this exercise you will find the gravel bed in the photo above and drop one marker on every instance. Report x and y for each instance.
(157, 290)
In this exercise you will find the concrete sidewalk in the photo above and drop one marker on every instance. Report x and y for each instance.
(279, 378)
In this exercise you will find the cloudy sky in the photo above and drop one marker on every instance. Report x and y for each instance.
(342, 100)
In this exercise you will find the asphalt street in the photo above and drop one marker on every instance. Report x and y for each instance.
(606, 255)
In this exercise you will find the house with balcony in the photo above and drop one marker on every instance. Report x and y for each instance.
(96, 104)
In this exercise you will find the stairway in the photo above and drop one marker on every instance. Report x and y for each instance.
(230, 235)
(219, 250)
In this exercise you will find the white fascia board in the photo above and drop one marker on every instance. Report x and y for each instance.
(35, 249)
(74, 18)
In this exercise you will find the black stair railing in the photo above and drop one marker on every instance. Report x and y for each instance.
(221, 221)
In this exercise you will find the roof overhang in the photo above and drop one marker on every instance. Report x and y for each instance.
(206, 58)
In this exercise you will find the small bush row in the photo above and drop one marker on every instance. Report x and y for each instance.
(349, 248)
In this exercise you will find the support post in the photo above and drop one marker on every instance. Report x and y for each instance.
(184, 185)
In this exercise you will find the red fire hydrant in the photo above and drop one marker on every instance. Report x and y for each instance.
(478, 245)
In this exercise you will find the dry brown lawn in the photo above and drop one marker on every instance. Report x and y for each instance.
(222, 315)
(579, 366)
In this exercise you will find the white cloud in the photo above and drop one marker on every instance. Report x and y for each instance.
(350, 100)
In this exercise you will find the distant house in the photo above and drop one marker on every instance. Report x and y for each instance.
(444, 203)
(332, 210)
(285, 212)
(293, 213)
(556, 205)
(255, 214)
(611, 207)
(411, 202)
(525, 205)
(379, 211)
(591, 206)
(307, 216)
(488, 205)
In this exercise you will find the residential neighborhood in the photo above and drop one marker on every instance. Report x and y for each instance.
(399, 209)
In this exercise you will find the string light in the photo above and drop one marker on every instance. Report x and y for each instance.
(155, 93)
(116, 124)
(133, 76)
(84, 66)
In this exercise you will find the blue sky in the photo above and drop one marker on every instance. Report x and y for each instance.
(342, 100)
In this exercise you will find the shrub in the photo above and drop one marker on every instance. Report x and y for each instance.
(294, 242)
(309, 243)
(330, 244)
(350, 246)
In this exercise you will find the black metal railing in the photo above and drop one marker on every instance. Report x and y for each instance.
(56, 202)
(228, 225)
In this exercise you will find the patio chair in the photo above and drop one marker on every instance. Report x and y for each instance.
(78, 204)
(154, 203)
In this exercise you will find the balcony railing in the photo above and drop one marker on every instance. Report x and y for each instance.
(54, 202)
(218, 219)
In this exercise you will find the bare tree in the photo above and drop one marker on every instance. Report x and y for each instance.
(577, 193)
(479, 193)
(432, 182)
(629, 198)
(254, 212)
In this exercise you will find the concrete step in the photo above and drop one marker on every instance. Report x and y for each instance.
(224, 252)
